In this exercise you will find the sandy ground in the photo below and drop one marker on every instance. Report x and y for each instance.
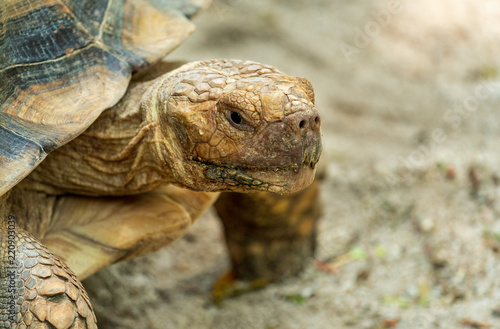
(410, 237)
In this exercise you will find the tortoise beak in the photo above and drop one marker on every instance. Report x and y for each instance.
(299, 143)
(281, 158)
(306, 126)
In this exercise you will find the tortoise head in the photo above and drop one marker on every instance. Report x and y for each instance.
(240, 126)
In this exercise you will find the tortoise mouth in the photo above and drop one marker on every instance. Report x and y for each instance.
(280, 179)
(269, 165)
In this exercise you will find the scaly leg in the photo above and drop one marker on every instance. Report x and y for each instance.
(270, 237)
(89, 233)
(37, 290)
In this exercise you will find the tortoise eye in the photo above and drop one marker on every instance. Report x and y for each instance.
(236, 118)
(237, 121)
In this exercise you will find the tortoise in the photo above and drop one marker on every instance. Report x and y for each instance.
(108, 153)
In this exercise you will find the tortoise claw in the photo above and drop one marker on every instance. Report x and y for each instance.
(228, 286)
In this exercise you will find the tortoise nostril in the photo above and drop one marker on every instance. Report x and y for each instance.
(303, 122)
(317, 120)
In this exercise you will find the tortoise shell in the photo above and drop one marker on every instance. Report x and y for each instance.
(64, 62)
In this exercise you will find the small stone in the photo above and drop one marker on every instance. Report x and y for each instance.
(307, 292)
(426, 225)
(440, 257)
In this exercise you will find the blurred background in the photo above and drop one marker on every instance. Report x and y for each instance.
(409, 93)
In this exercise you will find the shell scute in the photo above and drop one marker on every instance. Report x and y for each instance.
(62, 63)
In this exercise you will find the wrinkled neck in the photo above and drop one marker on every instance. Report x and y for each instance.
(164, 141)
(117, 155)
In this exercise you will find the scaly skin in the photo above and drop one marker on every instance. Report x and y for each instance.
(220, 125)
(36, 288)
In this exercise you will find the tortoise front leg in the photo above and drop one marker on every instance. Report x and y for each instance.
(37, 290)
(91, 233)
(270, 237)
